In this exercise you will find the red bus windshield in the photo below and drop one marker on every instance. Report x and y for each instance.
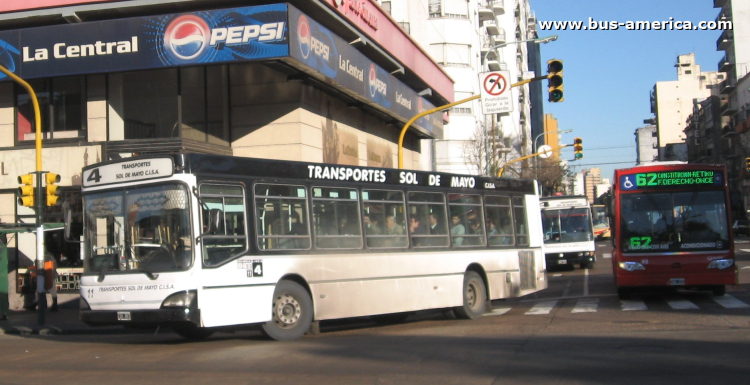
(679, 221)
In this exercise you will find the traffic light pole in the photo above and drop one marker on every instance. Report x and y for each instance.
(38, 206)
(436, 109)
(502, 169)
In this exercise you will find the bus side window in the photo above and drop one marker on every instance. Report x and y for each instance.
(467, 223)
(519, 213)
(385, 212)
(223, 218)
(282, 217)
(429, 209)
(499, 220)
(336, 218)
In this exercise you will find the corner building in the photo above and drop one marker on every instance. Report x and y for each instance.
(318, 81)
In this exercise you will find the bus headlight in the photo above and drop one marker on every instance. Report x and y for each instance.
(631, 266)
(181, 299)
(721, 264)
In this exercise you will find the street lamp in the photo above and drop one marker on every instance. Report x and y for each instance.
(540, 40)
(549, 132)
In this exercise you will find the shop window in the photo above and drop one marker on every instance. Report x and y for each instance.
(62, 103)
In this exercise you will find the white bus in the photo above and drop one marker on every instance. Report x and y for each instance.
(199, 242)
(568, 231)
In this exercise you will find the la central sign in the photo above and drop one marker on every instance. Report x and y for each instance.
(361, 9)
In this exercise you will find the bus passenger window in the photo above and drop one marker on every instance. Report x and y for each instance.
(282, 217)
(499, 221)
(519, 213)
(225, 238)
(336, 218)
(385, 212)
(428, 209)
(467, 223)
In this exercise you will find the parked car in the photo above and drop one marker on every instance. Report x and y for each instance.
(741, 227)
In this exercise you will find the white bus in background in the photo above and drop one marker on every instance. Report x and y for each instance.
(568, 231)
(200, 242)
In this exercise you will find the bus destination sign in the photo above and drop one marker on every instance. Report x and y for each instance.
(671, 179)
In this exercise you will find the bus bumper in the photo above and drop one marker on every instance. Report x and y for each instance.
(572, 258)
(140, 318)
(676, 280)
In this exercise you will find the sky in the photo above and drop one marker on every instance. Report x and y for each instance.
(608, 75)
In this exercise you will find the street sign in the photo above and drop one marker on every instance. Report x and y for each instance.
(495, 92)
(544, 151)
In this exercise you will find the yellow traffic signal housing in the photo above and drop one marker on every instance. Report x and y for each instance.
(26, 191)
(555, 80)
(578, 148)
(52, 194)
(747, 163)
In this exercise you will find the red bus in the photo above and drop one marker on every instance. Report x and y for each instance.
(672, 228)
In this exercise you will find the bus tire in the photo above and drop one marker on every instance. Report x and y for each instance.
(475, 297)
(292, 312)
(624, 292)
(192, 332)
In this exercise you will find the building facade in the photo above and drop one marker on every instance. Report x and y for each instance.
(315, 81)
(672, 104)
(467, 38)
(646, 144)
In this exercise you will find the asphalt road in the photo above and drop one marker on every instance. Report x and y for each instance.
(575, 332)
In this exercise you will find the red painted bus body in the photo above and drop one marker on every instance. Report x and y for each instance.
(672, 228)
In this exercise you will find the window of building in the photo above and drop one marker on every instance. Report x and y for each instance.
(406, 26)
(447, 54)
(448, 8)
(148, 104)
(386, 5)
(62, 109)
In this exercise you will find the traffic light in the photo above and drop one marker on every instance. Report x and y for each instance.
(578, 148)
(555, 80)
(26, 192)
(747, 163)
(52, 194)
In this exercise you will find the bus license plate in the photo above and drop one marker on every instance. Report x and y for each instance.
(562, 262)
(677, 281)
(123, 316)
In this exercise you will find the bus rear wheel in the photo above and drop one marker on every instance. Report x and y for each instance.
(475, 297)
(292, 311)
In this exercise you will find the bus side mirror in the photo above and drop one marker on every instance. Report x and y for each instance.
(68, 219)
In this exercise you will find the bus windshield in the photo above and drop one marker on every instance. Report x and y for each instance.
(142, 230)
(566, 225)
(684, 221)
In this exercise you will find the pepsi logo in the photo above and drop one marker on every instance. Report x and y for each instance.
(377, 86)
(303, 35)
(186, 38)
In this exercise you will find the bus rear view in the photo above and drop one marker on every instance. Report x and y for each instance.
(672, 228)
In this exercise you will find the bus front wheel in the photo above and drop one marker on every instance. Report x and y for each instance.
(292, 312)
(475, 297)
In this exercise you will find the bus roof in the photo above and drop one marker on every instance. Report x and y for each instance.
(223, 166)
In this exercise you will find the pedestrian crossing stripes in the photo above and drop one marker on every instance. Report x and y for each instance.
(591, 305)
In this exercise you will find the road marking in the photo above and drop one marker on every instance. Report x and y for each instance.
(607, 255)
(557, 275)
(681, 304)
(499, 311)
(632, 305)
(586, 282)
(542, 308)
(746, 267)
(745, 250)
(730, 302)
(588, 305)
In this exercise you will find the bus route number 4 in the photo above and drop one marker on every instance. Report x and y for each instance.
(257, 270)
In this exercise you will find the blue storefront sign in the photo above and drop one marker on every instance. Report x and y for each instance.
(238, 34)
(263, 32)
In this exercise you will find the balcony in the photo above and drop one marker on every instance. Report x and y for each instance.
(726, 87)
(500, 38)
(742, 127)
(486, 43)
(531, 20)
(498, 6)
(726, 132)
(485, 13)
(725, 65)
(728, 110)
(493, 64)
(724, 41)
(491, 27)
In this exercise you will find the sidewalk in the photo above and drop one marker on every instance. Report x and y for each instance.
(64, 321)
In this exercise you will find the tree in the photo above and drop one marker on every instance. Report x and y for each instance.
(550, 173)
(484, 149)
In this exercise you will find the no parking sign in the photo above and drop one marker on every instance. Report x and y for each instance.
(495, 92)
